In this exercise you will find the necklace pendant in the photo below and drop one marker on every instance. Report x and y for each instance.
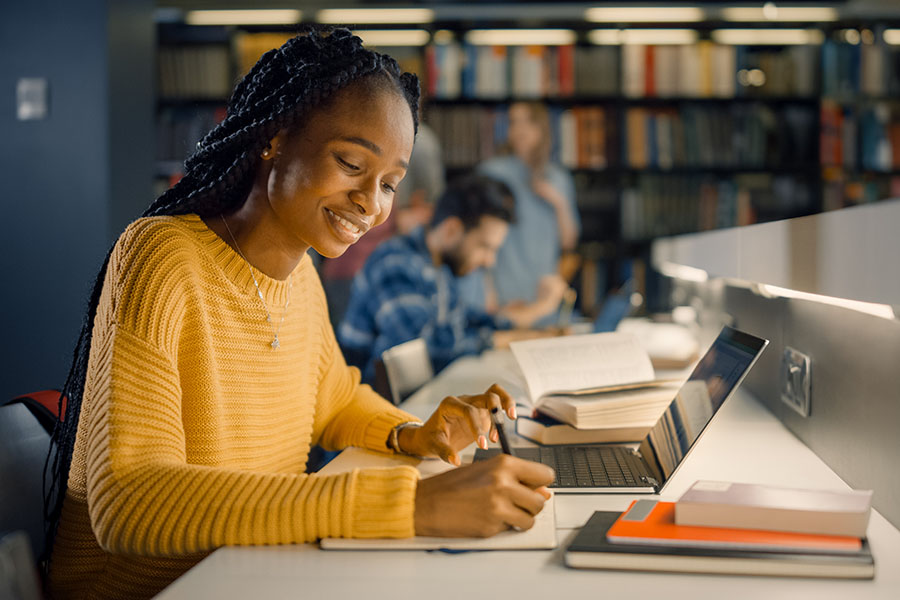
(275, 343)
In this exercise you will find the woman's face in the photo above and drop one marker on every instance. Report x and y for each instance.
(333, 178)
(524, 134)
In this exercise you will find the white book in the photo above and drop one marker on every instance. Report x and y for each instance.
(527, 71)
(689, 85)
(633, 70)
(628, 409)
(599, 379)
(450, 85)
(774, 508)
(583, 363)
(666, 71)
(724, 70)
(541, 536)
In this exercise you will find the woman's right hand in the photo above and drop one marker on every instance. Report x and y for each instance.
(482, 499)
(550, 291)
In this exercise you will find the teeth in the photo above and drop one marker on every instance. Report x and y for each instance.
(347, 224)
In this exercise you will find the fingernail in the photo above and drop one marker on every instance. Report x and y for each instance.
(512, 412)
(494, 436)
(482, 442)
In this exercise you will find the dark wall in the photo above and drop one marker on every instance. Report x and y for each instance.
(64, 177)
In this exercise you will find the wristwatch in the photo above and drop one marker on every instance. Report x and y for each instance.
(393, 441)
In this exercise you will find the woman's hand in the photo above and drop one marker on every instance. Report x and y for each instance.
(457, 422)
(550, 291)
(565, 222)
(544, 189)
(482, 499)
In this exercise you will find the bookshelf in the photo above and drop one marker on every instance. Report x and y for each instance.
(661, 139)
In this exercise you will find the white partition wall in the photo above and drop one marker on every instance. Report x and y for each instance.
(839, 304)
(852, 253)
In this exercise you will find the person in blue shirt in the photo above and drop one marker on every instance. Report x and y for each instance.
(408, 287)
(547, 221)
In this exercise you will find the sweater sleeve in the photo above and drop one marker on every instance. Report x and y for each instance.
(366, 418)
(144, 498)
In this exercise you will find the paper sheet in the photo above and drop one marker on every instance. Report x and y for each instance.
(540, 537)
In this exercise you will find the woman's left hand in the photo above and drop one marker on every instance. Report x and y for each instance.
(457, 422)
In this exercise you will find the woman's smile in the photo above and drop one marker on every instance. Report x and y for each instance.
(347, 230)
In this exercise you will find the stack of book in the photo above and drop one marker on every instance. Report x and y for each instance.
(590, 388)
(734, 528)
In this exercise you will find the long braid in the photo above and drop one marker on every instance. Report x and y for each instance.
(277, 93)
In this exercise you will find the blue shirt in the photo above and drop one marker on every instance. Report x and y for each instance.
(400, 295)
(532, 246)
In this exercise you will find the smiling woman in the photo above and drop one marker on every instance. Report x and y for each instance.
(206, 365)
(326, 180)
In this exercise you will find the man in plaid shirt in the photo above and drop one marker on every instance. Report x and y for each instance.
(408, 287)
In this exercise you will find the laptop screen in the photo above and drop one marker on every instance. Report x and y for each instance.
(713, 380)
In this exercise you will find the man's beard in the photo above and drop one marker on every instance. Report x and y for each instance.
(455, 260)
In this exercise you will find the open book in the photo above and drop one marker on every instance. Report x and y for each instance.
(599, 380)
(542, 536)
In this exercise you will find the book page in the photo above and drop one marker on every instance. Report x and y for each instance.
(540, 537)
(576, 362)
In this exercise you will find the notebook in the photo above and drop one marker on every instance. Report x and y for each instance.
(541, 536)
(592, 550)
(604, 468)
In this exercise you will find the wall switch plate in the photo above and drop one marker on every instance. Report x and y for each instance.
(795, 380)
(32, 103)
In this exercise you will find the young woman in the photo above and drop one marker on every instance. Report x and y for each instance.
(524, 284)
(206, 365)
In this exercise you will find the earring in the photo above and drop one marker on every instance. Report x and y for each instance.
(267, 152)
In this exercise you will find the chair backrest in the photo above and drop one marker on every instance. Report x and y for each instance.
(18, 575)
(407, 367)
(44, 405)
(25, 428)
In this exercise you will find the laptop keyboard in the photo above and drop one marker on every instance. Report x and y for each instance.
(580, 466)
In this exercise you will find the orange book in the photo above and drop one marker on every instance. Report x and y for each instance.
(649, 70)
(566, 70)
(653, 522)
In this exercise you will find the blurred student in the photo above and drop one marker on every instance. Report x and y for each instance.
(547, 222)
(409, 286)
(416, 195)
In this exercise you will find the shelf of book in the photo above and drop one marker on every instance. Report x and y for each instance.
(661, 139)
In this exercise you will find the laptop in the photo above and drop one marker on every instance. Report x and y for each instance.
(616, 307)
(605, 468)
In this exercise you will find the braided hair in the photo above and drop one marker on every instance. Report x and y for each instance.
(284, 86)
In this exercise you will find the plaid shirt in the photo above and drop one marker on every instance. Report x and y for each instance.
(400, 295)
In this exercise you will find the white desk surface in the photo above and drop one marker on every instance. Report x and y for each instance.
(745, 442)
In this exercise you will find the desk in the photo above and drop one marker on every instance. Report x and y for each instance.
(745, 442)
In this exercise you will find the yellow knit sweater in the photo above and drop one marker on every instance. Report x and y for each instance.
(194, 432)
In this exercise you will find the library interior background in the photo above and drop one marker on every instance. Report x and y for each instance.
(670, 117)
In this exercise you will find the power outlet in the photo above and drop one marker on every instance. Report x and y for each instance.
(795, 380)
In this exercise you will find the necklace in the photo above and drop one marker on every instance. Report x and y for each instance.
(275, 343)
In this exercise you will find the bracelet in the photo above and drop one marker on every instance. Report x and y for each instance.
(393, 441)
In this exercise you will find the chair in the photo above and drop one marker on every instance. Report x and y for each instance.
(26, 423)
(18, 575)
(406, 368)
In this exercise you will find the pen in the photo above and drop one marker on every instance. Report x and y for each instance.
(501, 432)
